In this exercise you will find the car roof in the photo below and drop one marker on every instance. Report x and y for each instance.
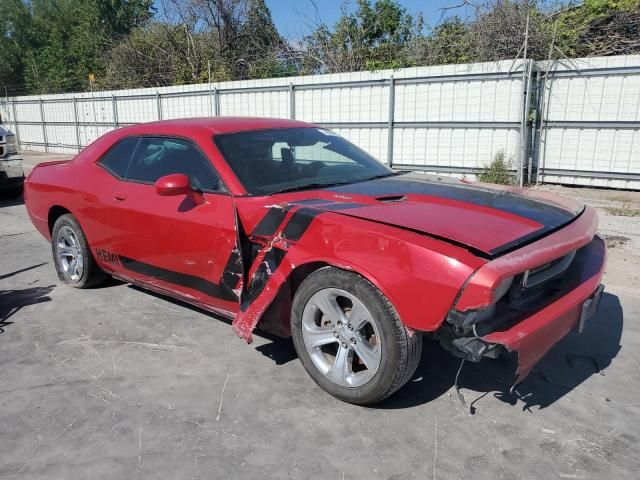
(213, 125)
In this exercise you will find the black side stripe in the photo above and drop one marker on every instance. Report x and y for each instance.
(302, 218)
(271, 221)
(233, 272)
(269, 264)
(295, 227)
(299, 222)
(312, 201)
(223, 290)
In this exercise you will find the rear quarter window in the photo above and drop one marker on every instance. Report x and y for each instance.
(116, 160)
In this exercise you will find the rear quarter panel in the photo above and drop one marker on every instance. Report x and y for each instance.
(69, 184)
(49, 184)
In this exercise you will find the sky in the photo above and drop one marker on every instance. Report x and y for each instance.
(294, 18)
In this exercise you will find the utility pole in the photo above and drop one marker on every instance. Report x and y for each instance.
(526, 98)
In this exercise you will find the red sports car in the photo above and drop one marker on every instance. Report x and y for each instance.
(285, 226)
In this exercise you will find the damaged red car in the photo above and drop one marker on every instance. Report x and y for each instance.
(286, 227)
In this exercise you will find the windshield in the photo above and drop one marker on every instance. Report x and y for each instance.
(288, 159)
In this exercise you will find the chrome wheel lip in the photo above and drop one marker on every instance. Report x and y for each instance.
(69, 254)
(350, 341)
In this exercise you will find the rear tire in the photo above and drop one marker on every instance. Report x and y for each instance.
(350, 339)
(72, 256)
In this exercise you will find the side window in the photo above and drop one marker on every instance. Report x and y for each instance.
(157, 157)
(117, 159)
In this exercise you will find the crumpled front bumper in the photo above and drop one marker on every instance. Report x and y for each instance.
(531, 329)
(533, 336)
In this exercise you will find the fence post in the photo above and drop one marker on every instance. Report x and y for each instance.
(15, 121)
(159, 105)
(390, 120)
(216, 102)
(75, 122)
(292, 101)
(114, 105)
(524, 121)
(212, 107)
(44, 127)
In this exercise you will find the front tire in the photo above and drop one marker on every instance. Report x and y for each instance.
(350, 339)
(72, 256)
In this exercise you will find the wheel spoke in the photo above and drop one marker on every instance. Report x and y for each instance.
(79, 267)
(73, 267)
(68, 237)
(319, 337)
(64, 250)
(328, 305)
(341, 367)
(368, 355)
(359, 316)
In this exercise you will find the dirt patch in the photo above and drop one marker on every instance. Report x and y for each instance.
(613, 241)
(619, 226)
(623, 211)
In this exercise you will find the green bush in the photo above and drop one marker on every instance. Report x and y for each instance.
(498, 171)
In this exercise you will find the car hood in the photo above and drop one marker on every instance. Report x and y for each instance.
(488, 219)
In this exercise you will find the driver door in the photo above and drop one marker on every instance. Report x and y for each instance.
(183, 244)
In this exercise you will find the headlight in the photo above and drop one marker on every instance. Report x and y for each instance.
(471, 317)
(12, 145)
(502, 288)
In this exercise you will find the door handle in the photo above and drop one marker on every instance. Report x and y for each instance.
(119, 195)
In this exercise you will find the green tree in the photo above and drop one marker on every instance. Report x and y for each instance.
(373, 37)
(449, 42)
(259, 55)
(598, 27)
(57, 43)
(14, 34)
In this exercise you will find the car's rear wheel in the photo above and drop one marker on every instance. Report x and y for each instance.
(350, 339)
(72, 256)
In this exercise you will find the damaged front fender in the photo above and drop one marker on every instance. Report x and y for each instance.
(292, 235)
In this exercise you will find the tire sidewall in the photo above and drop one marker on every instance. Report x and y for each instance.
(69, 221)
(376, 388)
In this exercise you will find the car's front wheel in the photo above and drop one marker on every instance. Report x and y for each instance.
(349, 337)
(72, 256)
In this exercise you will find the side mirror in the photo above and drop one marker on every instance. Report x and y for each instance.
(174, 184)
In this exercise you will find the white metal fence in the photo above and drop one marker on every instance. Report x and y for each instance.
(576, 122)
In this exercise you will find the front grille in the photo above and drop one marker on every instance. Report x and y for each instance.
(538, 283)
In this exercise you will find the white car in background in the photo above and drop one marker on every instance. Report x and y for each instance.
(11, 172)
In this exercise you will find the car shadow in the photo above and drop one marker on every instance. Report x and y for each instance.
(277, 350)
(13, 300)
(10, 202)
(280, 350)
(568, 364)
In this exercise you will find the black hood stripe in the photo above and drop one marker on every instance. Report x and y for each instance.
(546, 214)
